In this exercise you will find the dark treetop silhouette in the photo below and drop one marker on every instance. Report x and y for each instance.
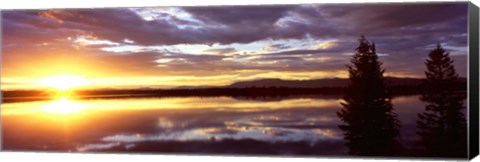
(442, 126)
(371, 127)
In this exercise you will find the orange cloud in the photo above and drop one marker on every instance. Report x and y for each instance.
(324, 45)
(55, 15)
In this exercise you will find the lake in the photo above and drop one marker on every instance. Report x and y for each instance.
(301, 125)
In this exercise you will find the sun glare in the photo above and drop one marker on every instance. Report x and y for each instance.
(63, 106)
(63, 82)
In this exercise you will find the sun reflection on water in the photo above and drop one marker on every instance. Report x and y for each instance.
(68, 104)
(63, 106)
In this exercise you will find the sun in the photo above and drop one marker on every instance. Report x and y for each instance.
(63, 82)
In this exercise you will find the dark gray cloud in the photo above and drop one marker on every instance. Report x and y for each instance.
(237, 15)
(245, 24)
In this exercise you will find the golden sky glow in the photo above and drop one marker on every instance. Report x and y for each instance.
(63, 82)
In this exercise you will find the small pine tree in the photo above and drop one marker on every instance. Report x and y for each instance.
(440, 70)
(371, 126)
(442, 126)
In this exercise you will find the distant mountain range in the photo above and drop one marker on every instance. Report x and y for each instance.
(316, 83)
(252, 88)
(320, 83)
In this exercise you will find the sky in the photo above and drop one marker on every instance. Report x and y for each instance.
(167, 47)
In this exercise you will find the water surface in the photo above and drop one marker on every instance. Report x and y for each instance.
(287, 126)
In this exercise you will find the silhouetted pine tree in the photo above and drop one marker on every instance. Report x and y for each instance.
(442, 126)
(371, 126)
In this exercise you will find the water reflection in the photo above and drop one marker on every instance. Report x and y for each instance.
(124, 104)
(63, 106)
(300, 126)
(442, 126)
(371, 127)
(145, 124)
